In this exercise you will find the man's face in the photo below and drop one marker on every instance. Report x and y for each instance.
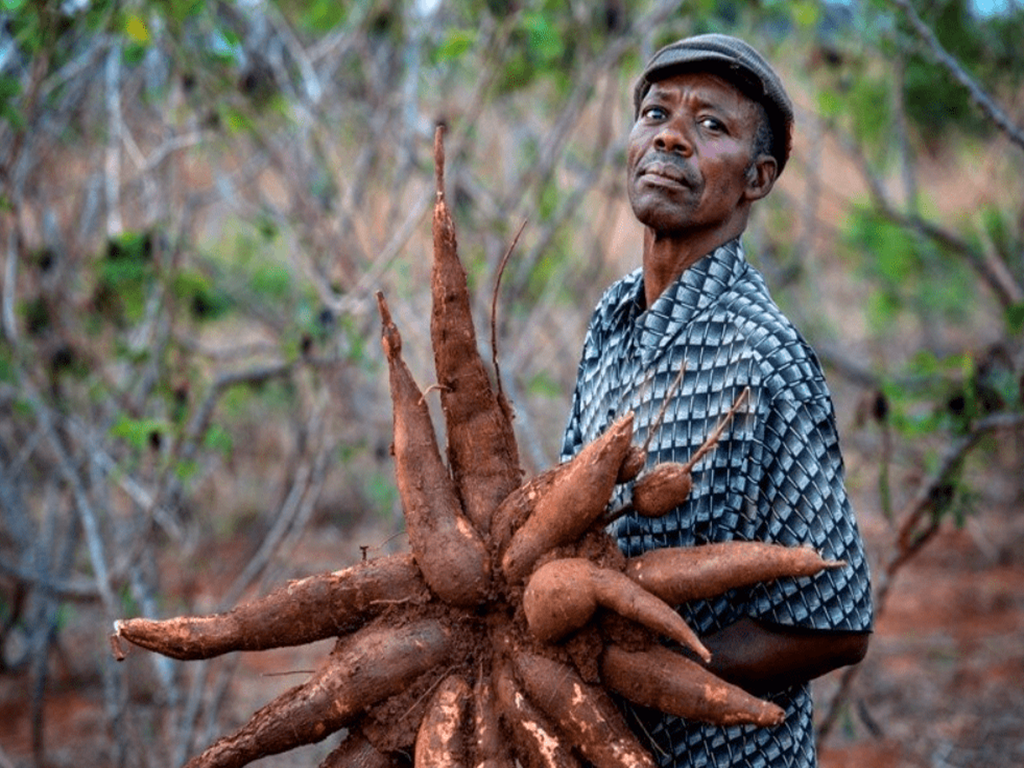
(688, 155)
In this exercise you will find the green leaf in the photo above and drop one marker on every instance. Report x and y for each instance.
(805, 13)
(544, 39)
(544, 384)
(186, 470)
(10, 92)
(135, 29)
(272, 280)
(455, 45)
(205, 301)
(7, 374)
(1015, 318)
(139, 433)
(380, 490)
(323, 15)
(237, 121)
(218, 439)
(829, 104)
(10, 87)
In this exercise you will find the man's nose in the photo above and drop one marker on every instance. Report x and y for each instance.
(673, 137)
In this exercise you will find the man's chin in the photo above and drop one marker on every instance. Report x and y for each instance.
(661, 218)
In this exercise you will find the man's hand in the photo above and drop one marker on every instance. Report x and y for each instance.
(761, 657)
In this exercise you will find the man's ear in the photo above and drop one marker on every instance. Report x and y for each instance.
(761, 177)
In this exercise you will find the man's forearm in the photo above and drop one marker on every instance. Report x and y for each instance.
(761, 657)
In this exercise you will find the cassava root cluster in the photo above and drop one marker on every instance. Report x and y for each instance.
(500, 637)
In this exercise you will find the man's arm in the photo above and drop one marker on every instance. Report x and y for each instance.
(761, 657)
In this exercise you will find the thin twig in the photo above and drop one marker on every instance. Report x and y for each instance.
(669, 394)
(1002, 284)
(494, 307)
(8, 299)
(711, 442)
(79, 590)
(980, 98)
(911, 539)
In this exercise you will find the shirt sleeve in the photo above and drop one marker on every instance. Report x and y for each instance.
(802, 501)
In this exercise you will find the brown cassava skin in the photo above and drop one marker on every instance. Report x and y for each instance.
(633, 464)
(516, 508)
(575, 497)
(482, 451)
(356, 751)
(449, 551)
(585, 713)
(302, 611)
(489, 746)
(534, 739)
(662, 489)
(562, 595)
(441, 740)
(660, 678)
(364, 668)
(692, 573)
(669, 484)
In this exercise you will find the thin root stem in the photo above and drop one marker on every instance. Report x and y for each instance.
(712, 440)
(494, 306)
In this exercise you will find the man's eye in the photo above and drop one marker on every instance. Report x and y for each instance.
(654, 113)
(711, 124)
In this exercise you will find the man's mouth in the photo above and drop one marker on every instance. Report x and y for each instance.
(658, 169)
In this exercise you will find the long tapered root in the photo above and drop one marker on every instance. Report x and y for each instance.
(441, 740)
(356, 751)
(571, 502)
(585, 713)
(662, 679)
(300, 612)
(482, 451)
(678, 575)
(534, 736)
(562, 595)
(365, 668)
(449, 551)
(489, 745)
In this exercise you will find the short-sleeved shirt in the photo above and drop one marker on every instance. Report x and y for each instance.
(776, 475)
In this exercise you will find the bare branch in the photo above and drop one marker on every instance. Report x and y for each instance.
(7, 300)
(77, 590)
(113, 152)
(913, 535)
(989, 269)
(980, 98)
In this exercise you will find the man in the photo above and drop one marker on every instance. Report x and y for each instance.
(712, 134)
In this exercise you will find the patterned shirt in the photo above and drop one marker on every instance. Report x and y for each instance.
(776, 475)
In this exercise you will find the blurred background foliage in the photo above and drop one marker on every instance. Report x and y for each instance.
(198, 200)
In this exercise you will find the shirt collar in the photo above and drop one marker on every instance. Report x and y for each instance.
(698, 287)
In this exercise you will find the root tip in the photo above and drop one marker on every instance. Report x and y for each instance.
(382, 307)
(116, 648)
(390, 339)
(439, 159)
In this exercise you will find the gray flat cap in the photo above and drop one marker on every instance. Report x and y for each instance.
(736, 61)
